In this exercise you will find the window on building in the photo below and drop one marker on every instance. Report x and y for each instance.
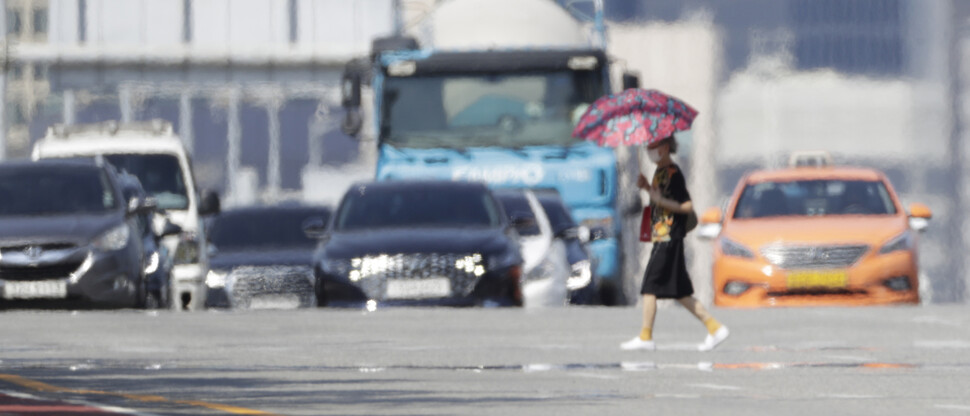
(40, 20)
(14, 22)
(856, 36)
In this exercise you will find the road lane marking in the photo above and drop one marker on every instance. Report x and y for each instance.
(44, 387)
(952, 407)
(715, 386)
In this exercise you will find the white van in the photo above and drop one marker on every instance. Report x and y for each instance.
(152, 152)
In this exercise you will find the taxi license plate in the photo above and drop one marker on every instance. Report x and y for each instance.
(828, 279)
(48, 289)
(437, 287)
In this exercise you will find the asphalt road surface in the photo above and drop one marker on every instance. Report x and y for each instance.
(909, 360)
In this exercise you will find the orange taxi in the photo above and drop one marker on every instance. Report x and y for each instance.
(815, 236)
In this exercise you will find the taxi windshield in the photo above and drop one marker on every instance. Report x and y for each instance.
(814, 198)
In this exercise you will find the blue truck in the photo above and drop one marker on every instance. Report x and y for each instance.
(493, 96)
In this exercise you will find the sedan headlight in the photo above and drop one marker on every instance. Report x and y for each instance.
(153, 261)
(735, 249)
(216, 278)
(900, 242)
(115, 238)
(580, 276)
(336, 267)
(503, 260)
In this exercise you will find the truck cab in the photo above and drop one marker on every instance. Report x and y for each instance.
(500, 113)
(153, 153)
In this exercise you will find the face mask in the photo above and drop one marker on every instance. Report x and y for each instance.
(654, 155)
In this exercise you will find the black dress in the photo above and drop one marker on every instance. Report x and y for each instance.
(666, 275)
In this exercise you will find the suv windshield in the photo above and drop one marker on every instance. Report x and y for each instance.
(55, 191)
(263, 229)
(160, 175)
(814, 198)
(462, 110)
(383, 207)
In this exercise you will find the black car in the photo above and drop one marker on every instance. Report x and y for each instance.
(68, 235)
(262, 257)
(583, 284)
(419, 242)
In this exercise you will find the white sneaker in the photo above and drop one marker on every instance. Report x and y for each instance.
(638, 344)
(714, 340)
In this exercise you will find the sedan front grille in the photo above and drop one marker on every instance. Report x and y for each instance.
(47, 272)
(813, 257)
(251, 282)
(372, 272)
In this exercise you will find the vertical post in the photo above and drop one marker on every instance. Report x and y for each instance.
(273, 173)
(185, 121)
(599, 24)
(124, 103)
(69, 107)
(955, 229)
(233, 138)
(318, 127)
(3, 80)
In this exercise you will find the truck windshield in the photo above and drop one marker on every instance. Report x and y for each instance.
(160, 175)
(507, 110)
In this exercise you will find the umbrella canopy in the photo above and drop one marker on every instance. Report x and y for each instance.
(633, 117)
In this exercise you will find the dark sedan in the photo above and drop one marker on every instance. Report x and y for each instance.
(67, 235)
(261, 257)
(419, 242)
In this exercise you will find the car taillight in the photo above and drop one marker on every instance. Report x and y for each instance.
(515, 278)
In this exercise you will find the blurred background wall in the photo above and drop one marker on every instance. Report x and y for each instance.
(251, 86)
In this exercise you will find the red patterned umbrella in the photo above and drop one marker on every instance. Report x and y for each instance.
(632, 117)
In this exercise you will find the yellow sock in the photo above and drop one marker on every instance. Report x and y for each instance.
(712, 325)
(646, 334)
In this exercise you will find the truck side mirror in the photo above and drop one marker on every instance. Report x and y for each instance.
(352, 122)
(314, 228)
(630, 80)
(209, 203)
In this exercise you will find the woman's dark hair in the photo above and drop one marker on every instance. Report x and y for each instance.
(672, 142)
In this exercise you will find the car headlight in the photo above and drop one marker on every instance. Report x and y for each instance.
(115, 238)
(580, 276)
(541, 271)
(900, 242)
(187, 251)
(336, 267)
(735, 249)
(153, 261)
(216, 278)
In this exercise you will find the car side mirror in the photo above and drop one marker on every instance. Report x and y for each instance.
(209, 203)
(521, 222)
(710, 224)
(141, 205)
(315, 228)
(919, 216)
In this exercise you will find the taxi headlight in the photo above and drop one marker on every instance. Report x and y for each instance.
(114, 239)
(735, 249)
(900, 242)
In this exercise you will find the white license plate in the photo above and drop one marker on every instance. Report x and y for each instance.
(438, 287)
(47, 289)
(274, 302)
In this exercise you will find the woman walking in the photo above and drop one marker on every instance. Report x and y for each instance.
(666, 274)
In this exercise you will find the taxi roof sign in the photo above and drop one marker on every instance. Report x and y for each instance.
(808, 159)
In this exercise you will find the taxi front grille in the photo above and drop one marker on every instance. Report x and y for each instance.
(813, 257)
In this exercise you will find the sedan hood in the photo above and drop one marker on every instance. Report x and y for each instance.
(870, 230)
(416, 240)
(76, 229)
(224, 260)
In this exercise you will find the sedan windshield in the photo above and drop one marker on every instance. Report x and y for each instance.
(56, 191)
(814, 198)
(464, 110)
(417, 207)
(160, 175)
(263, 229)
